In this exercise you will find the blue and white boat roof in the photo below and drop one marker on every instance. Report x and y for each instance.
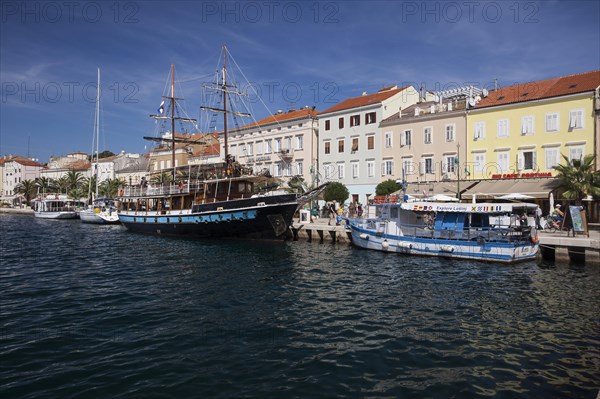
(487, 208)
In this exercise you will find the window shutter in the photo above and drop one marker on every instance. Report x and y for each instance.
(422, 167)
(534, 160)
(520, 161)
(445, 166)
(383, 169)
(403, 139)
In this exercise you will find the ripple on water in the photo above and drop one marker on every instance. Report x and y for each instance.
(97, 311)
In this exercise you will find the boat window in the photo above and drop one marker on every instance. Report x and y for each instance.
(394, 212)
(242, 187)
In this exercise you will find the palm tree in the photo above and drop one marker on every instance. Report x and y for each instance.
(110, 187)
(578, 179)
(74, 178)
(43, 184)
(163, 178)
(88, 184)
(62, 184)
(26, 188)
(182, 175)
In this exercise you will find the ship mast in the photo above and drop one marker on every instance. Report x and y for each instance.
(225, 102)
(224, 87)
(97, 129)
(173, 119)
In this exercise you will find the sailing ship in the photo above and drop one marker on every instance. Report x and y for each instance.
(495, 232)
(101, 210)
(224, 201)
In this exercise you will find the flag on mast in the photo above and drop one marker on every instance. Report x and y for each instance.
(161, 108)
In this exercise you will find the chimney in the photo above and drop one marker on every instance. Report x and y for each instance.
(400, 112)
(364, 93)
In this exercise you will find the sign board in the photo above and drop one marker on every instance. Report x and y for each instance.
(578, 219)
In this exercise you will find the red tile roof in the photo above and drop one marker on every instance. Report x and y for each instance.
(20, 160)
(281, 118)
(78, 165)
(361, 101)
(555, 87)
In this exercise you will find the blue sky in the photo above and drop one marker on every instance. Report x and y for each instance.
(297, 53)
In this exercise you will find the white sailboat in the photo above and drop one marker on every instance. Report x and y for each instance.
(101, 210)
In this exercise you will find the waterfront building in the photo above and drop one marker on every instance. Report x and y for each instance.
(59, 166)
(522, 130)
(284, 144)
(15, 169)
(161, 157)
(135, 170)
(109, 167)
(425, 143)
(350, 139)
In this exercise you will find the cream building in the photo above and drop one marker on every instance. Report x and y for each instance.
(285, 144)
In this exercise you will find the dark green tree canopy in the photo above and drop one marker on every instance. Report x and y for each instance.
(577, 178)
(387, 187)
(336, 191)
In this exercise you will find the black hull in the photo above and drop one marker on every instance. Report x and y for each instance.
(255, 218)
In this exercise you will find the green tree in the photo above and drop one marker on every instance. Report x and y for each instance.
(43, 184)
(296, 185)
(110, 187)
(62, 184)
(106, 154)
(578, 179)
(336, 191)
(162, 178)
(74, 179)
(27, 188)
(89, 184)
(387, 187)
(182, 175)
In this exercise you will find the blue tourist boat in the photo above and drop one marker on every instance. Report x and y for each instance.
(498, 232)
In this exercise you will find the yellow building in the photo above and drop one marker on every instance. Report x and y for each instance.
(522, 131)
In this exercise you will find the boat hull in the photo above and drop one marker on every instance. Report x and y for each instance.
(57, 215)
(257, 218)
(481, 250)
(99, 218)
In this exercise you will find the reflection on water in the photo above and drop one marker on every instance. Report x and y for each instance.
(96, 310)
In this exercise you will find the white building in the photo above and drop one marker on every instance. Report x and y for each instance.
(14, 170)
(135, 171)
(109, 167)
(285, 144)
(350, 139)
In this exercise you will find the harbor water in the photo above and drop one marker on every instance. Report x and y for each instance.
(91, 311)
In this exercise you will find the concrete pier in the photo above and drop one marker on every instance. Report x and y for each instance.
(17, 211)
(319, 230)
(561, 246)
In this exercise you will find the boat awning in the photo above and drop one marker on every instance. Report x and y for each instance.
(449, 188)
(536, 188)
